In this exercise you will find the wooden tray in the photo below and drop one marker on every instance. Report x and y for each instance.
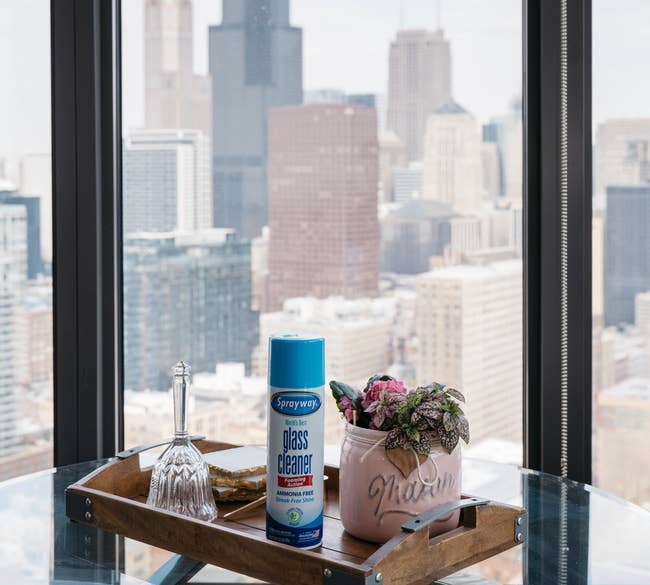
(113, 496)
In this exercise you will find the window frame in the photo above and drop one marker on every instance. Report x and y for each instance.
(86, 193)
(86, 120)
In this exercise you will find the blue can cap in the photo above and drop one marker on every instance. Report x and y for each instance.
(296, 361)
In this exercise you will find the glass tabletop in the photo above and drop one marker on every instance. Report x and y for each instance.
(577, 535)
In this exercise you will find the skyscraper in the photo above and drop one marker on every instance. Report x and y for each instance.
(469, 328)
(323, 182)
(622, 153)
(166, 181)
(32, 206)
(452, 159)
(185, 296)
(412, 233)
(419, 82)
(627, 241)
(256, 63)
(13, 276)
(174, 96)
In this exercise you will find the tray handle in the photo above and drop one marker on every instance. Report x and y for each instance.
(430, 516)
(150, 445)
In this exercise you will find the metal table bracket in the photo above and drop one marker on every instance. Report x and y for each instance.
(430, 516)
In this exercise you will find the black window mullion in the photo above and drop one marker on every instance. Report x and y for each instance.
(86, 227)
(542, 209)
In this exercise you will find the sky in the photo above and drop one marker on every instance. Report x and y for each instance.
(345, 47)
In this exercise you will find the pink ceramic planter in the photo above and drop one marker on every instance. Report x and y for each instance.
(375, 498)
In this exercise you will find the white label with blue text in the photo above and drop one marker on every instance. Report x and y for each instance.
(294, 485)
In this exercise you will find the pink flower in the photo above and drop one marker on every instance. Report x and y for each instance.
(374, 392)
(346, 407)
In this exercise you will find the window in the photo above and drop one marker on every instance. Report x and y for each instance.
(621, 252)
(283, 171)
(25, 239)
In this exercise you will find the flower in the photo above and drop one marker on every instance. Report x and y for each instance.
(376, 388)
(347, 408)
(383, 411)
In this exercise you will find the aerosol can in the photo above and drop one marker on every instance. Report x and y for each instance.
(294, 484)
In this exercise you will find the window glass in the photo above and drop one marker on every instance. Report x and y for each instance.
(25, 239)
(621, 251)
(350, 169)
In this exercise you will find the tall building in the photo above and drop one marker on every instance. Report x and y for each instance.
(622, 153)
(491, 169)
(419, 82)
(392, 155)
(32, 206)
(412, 233)
(627, 241)
(622, 427)
(8, 354)
(189, 297)
(36, 180)
(255, 60)
(407, 182)
(469, 327)
(13, 276)
(356, 333)
(166, 181)
(452, 159)
(506, 132)
(323, 181)
(174, 96)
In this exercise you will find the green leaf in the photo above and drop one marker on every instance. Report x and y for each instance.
(449, 440)
(463, 428)
(395, 438)
(449, 421)
(455, 394)
(343, 389)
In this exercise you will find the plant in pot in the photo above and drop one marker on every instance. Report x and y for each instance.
(400, 456)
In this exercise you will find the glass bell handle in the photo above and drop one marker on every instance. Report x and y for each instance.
(181, 390)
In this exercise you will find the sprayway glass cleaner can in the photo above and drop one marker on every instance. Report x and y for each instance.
(294, 484)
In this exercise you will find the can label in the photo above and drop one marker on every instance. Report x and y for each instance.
(294, 485)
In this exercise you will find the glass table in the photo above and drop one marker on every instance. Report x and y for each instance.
(577, 535)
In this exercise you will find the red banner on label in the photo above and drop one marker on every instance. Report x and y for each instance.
(295, 481)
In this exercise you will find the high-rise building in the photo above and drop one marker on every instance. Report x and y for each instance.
(32, 206)
(166, 181)
(469, 327)
(174, 96)
(323, 181)
(36, 180)
(355, 331)
(189, 297)
(506, 132)
(452, 159)
(8, 354)
(622, 427)
(627, 241)
(260, 270)
(338, 96)
(392, 155)
(491, 169)
(622, 153)
(13, 277)
(407, 182)
(412, 233)
(255, 60)
(35, 337)
(419, 82)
